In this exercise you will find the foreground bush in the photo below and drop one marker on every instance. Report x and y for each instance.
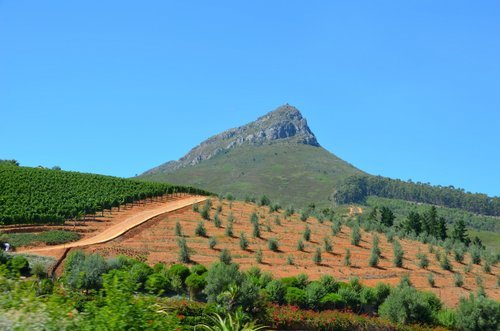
(478, 313)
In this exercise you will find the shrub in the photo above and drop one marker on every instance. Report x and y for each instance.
(398, 254)
(39, 270)
(375, 245)
(200, 230)
(350, 296)
(307, 233)
(458, 253)
(277, 220)
(314, 293)
(406, 305)
(430, 279)
(254, 218)
(20, 265)
(373, 262)
(477, 313)
(304, 216)
(302, 281)
(295, 296)
(347, 257)
(217, 221)
(458, 280)
(447, 318)
(273, 244)
(196, 208)
(230, 218)
(178, 229)
(157, 283)
(445, 263)
(289, 260)
(355, 236)
(468, 267)
(243, 241)
(225, 256)
(229, 229)
(219, 208)
(276, 291)
(212, 242)
(205, 213)
(317, 256)
(183, 251)
(329, 283)
(256, 230)
(327, 245)
(423, 261)
(332, 301)
(300, 245)
(84, 271)
(139, 273)
(264, 201)
(475, 254)
(336, 227)
(258, 256)
(195, 283)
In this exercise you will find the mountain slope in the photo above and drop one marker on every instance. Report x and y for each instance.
(277, 155)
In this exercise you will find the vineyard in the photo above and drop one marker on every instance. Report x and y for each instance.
(35, 196)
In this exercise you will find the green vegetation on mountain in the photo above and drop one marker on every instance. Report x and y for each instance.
(357, 188)
(33, 195)
(292, 174)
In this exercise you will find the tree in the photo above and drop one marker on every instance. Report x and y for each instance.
(229, 229)
(387, 217)
(478, 313)
(273, 244)
(327, 244)
(183, 251)
(423, 261)
(178, 229)
(217, 221)
(355, 236)
(200, 230)
(243, 241)
(459, 232)
(317, 256)
(307, 233)
(300, 245)
(347, 257)
(374, 257)
(195, 283)
(258, 256)
(225, 256)
(441, 231)
(212, 242)
(276, 291)
(398, 254)
(256, 230)
(413, 223)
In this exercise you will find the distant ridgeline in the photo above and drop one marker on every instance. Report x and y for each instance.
(357, 188)
(33, 195)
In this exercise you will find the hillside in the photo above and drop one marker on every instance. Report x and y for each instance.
(33, 195)
(277, 155)
(156, 241)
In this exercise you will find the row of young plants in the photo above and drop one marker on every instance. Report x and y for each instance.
(94, 290)
(33, 195)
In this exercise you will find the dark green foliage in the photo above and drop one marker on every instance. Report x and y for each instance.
(276, 291)
(314, 292)
(374, 258)
(157, 283)
(336, 227)
(430, 279)
(254, 219)
(273, 244)
(406, 305)
(459, 232)
(478, 313)
(243, 241)
(317, 256)
(200, 230)
(475, 254)
(54, 196)
(332, 301)
(225, 256)
(195, 283)
(413, 223)
(304, 215)
(229, 229)
(307, 233)
(264, 201)
(355, 236)
(295, 296)
(387, 217)
(289, 260)
(423, 261)
(356, 188)
(19, 265)
(84, 271)
(458, 280)
(274, 207)
(458, 254)
(183, 251)
(329, 283)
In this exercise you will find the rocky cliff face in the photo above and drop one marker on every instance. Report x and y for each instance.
(283, 125)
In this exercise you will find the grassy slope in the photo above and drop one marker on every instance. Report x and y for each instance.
(297, 174)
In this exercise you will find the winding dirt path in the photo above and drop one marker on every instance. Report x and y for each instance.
(118, 229)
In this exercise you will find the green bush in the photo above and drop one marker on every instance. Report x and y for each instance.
(458, 280)
(157, 283)
(317, 256)
(423, 261)
(478, 313)
(307, 233)
(19, 265)
(300, 245)
(430, 279)
(276, 291)
(329, 283)
(258, 256)
(178, 229)
(178, 271)
(295, 296)
(273, 244)
(183, 251)
(256, 230)
(327, 245)
(243, 241)
(200, 230)
(347, 257)
(314, 292)
(445, 263)
(229, 230)
(398, 254)
(355, 236)
(406, 305)
(217, 221)
(195, 283)
(225, 256)
(332, 301)
(212, 242)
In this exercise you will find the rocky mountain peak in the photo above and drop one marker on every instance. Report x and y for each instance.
(284, 125)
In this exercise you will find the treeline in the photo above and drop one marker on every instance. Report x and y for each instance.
(357, 188)
(33, 195)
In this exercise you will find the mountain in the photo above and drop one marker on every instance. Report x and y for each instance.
(277, 155)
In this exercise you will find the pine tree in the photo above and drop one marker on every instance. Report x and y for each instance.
(225, 256)
(398, 254)
(217, 221)
(307, 233)
(459, 232)
(178, 229)
(413, 223)
(441, 229)
(200, 230)
(183, 251)
(256, 230)
(387, 217)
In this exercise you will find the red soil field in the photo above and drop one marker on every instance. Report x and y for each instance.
(154, 241)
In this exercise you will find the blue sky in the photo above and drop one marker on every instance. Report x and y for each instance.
(404, 89)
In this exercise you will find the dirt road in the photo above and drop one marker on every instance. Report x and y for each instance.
(120, 228)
